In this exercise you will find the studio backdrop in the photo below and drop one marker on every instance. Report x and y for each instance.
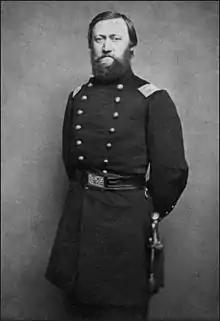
(44, 56)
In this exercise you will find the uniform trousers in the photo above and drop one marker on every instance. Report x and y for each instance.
(85, 312)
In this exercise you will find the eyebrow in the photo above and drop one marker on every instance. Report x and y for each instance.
(112, 34)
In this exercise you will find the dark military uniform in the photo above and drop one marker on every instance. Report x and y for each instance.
(120, 128)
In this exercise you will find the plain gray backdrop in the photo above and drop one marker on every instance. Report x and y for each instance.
(45, 56)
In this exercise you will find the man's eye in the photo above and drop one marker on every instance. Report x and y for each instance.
(98, 39)
(116, 38)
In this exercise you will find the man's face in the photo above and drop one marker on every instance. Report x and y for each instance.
(110, 50)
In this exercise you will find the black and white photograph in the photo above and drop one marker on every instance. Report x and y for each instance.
(110, 160)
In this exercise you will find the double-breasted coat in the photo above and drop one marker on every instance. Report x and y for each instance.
(121, 127)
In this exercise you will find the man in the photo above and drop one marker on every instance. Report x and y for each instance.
(115, 126)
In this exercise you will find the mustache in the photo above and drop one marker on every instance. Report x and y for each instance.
(104, 56)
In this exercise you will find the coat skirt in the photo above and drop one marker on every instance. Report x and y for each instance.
(100, 250)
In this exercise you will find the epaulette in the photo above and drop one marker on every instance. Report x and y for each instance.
(148, 89)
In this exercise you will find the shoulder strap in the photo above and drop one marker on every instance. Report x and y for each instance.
(148, 89)
(76, 90)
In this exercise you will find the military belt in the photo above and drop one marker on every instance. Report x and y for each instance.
(108, 182)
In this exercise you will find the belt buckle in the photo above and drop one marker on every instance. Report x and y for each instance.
(96, 180)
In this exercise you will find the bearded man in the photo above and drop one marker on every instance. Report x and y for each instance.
(116, 126)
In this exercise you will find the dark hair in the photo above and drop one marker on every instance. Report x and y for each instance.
(108, 15)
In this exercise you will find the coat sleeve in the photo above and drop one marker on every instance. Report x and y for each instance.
(66, 137)
(168, 167)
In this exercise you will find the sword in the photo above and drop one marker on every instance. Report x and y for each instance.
(154, 245)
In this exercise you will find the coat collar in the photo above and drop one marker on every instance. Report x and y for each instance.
(124, 79)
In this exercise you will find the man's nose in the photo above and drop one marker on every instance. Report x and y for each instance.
(107, 46)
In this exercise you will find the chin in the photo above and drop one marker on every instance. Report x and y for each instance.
(109, 72)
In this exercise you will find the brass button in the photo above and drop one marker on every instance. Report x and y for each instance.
(117, 99)
(105, 171)
(115, 114)
(105, 161)
(90, 84)
(108, 145)
(78, 142)
(79, 111)
(84, 97)
(81, 158)
(120, 86)
(112, 130)
(78, 127)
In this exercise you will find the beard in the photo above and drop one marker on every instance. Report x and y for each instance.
(109, 68)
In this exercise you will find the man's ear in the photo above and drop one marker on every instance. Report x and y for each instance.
(132, 51)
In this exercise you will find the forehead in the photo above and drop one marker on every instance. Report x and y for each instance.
(112, 26)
